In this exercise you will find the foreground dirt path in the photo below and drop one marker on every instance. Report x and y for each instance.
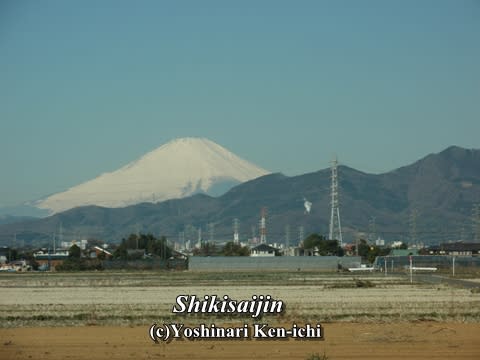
(342, 341)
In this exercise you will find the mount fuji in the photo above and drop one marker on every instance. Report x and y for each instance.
(177, 169)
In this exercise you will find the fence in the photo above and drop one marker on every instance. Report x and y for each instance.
(147, 264)
(439, 261)
(246, 263)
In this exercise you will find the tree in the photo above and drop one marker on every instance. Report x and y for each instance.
(325, 247)
(146, 242)
(370, 252)
(312, 241)
(206, 249)
(74, 252)
(121, 251)
(74, 261)
(363, 248)
(28, 255)
(13, 255)
(232, 249)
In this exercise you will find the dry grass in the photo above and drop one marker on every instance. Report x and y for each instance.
(144, 298)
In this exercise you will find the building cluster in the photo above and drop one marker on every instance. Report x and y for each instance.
(454, 249)
(49, 259)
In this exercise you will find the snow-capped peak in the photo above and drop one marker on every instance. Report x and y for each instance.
(176, 169)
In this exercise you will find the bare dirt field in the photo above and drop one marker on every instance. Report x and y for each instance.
(342, 341)
(108, 315)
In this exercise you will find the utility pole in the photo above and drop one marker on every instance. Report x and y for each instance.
(413, 226)
(453, 265)
(476, 222)
(138, 234)
(164, 248)
(301, 234)
(60, 235)
(287, 236)
(335, 232)
(199, 239)
(211, 232)
(236, 226)
(181, 238)
(372, 229)
(263, 226)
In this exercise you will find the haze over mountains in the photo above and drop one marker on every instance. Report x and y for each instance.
(441, 189)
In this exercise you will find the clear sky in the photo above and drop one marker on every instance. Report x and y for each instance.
(88, 86)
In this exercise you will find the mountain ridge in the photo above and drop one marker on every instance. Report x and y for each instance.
(441, 188)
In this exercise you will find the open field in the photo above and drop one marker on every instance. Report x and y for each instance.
(107, 314)
(140, 298)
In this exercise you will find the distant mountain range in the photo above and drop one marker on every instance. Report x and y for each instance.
(9, 219)
(431, 199)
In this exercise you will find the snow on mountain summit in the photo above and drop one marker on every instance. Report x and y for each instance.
(176, 169)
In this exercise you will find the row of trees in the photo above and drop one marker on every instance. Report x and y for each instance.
(229, 249)
(133, 248)
(314, 242)
(326, 247)
(139, 246)
(322, 245)
(147, 244)
(22, 254)
(370, 252)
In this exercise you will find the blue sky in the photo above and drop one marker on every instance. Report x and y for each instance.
(88, 86)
